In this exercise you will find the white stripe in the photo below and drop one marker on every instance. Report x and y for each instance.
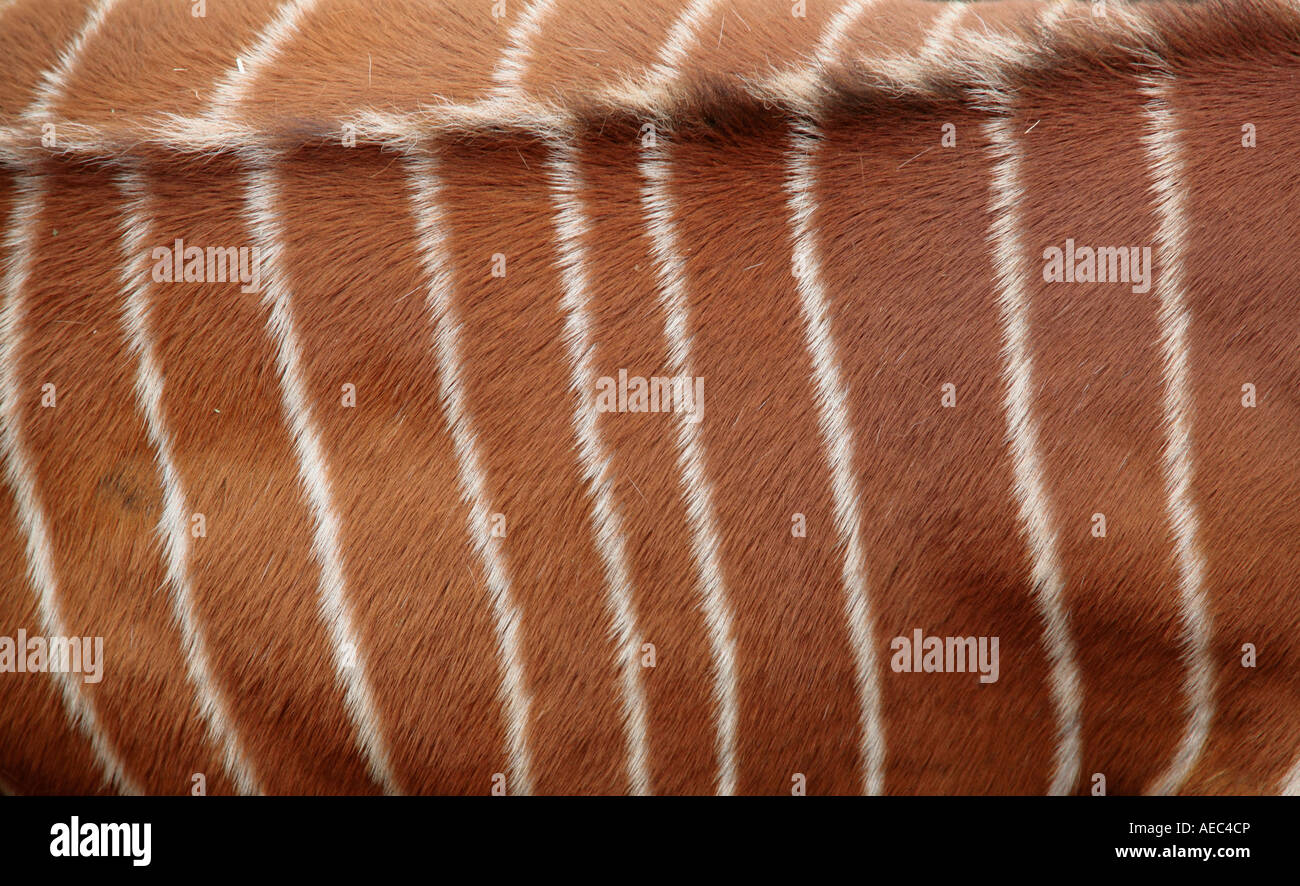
(670, 269)
(262, 195)
(607, 522)
(21, 233)
(696, 489)
(515, 696)
(53, 80)
(681, 37)
(1037, 522)
(22, 479)
(509, 73)
(1165, 156)
(830, 45)
(335, 610)
(837, 434)
(230, 91)
(173, 526)
(938, 38)
(833, 415)
(945, 26)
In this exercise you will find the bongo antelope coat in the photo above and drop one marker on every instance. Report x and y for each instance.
(691, 396)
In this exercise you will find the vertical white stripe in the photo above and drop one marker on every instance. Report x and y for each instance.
(837, 435)
(173, 526)
(607, 522)
(945, 27)
(335, 610)
(233, 87)
(22, 478)
(260, 206)
(833, 415)
(670, 269)
(1036, 519)
(19, 244)
(510, 70)
(1165, 156)
(508, 619)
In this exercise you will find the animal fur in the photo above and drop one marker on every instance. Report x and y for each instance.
(348, 623)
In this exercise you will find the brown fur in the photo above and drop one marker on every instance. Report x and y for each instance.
(903, 232)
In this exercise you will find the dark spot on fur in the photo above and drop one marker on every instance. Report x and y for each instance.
(120, 486)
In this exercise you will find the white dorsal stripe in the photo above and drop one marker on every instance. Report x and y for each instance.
(670, 269)
(430, 237)
(19, 245)
(979, 55)
(230, 91)
(832, 401)
(1165, 157)
(350, 666)
(173, 526)
(1035, 510)
(30, 512)
(607, 521)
